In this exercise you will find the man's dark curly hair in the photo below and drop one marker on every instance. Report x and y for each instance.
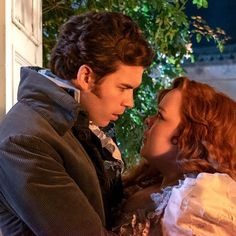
(100, 40)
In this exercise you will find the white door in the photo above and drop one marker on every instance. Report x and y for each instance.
(20, 45)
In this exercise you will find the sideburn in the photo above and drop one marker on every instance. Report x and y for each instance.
(96, 87)
(96, 90)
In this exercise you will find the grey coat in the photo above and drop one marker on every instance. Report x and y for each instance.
(48, 183)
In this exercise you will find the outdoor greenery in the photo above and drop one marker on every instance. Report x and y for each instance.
(170, 32)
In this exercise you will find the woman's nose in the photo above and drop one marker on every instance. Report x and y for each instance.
(149, 121)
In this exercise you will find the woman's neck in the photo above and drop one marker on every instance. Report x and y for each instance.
(171, 179)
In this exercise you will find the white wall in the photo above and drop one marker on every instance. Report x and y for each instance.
(220, 76)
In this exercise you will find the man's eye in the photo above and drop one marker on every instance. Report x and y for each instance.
(122, 89)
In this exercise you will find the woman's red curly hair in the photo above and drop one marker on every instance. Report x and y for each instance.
(207, 132)
(206, 135)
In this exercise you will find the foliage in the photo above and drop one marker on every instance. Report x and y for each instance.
(167, 28)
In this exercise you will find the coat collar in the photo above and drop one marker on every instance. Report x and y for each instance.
(59, 108)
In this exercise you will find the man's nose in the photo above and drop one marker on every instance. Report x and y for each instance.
(128, 102)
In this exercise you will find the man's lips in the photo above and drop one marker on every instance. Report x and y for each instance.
(115, 116)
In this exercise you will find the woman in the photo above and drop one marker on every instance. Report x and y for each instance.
(191, 144)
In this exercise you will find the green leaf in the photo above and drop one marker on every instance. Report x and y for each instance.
(198, 37)
(220, 46)
(201, 3)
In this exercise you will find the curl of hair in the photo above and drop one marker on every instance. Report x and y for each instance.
(100, 40)
(207, 132)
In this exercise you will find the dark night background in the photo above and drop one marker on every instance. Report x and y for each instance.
(220, 13)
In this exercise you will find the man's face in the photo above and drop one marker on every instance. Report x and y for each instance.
(109, 98)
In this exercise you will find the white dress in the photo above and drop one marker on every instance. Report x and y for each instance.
(201, 206)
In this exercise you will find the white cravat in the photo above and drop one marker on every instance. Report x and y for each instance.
(106, 141)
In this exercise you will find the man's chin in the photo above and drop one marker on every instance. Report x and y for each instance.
(101, 124)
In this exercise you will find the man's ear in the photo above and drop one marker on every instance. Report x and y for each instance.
(85, 78)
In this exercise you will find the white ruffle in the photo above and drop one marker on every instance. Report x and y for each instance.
(202, 206)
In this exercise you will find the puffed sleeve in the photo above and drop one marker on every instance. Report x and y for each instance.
(202, 206)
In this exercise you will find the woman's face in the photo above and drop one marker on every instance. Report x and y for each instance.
(157, 142)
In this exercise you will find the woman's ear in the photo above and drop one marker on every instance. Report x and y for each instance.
(85, 78)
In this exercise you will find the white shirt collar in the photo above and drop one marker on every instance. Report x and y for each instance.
(60, 82)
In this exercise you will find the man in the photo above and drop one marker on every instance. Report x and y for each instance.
(60, 175)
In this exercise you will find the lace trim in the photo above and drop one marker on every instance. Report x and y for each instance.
(161, 199)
